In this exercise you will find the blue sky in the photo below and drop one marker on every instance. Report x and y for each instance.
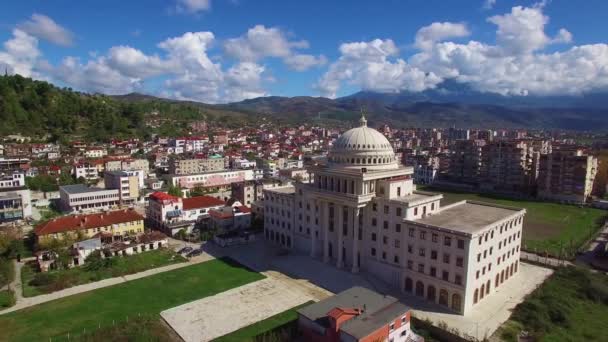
(228, 50)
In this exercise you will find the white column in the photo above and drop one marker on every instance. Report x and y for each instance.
(339, 210)
(355, 268)
(325, 229)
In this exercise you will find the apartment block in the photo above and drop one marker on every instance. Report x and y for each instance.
(184, 166)
(566, 175)
(507, 166)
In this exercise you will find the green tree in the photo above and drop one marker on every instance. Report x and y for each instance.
(175, 191)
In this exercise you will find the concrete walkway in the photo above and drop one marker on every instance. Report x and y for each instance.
(25, 302)
(551, 262)
(15, 285)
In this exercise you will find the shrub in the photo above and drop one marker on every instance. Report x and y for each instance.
(42, 279)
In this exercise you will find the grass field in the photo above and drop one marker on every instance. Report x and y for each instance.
(572, 305)
(548, 227)
(7, 299)
(267, 326)
(145, 296)
(144, 328)
(61, 279)
(7, 271)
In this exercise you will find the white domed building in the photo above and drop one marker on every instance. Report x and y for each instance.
(361, 212)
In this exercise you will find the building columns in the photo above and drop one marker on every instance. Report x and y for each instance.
(339, 211)
(355, 268)
(325, 228)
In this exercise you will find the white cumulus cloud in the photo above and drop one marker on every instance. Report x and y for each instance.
(192, 6)
(20, 54)
(427, 36)
(43, 27)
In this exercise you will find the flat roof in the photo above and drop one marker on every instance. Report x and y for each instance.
(468, 216)
(79, 189)
(290, 189)
(418, 196)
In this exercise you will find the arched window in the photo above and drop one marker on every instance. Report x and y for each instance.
(456, 302)
(408, 285)
(497, 281)
(443, 297)
(488, 287)
(419, 289)
(483, 291)
(475, 296)
(516, 266)
(430, 293)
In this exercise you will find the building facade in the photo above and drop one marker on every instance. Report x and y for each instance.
(183, 166)
(79, 197)
(362, 212)
(566, 175)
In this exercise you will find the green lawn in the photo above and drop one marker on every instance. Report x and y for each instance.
(263, 327)
(572, 305)
(548, 227)
(145, 296)
(7, 299)
(61, 279)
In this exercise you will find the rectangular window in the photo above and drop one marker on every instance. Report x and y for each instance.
(410, 249)
(434, 255)
(386, 209)
(446, 258)
(433, 272)
(460, 244)
(422, 235)
(385, 240)
(398, 227)
(421, 268)
(398, 212)
(397, 243)
(373, 252)
(459, 261)
(373, 236)
(396, 259)
(410, 264)
(421, 252)
(458, 279)
(434, 237)
(374, 222)
(385, 225)
(375, 207)
(447, 241)
(411, 233)
(445, 275)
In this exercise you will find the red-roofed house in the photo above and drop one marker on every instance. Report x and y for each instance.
(233, 216)
(172, 214)
(116, 224)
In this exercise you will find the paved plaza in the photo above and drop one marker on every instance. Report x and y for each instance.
(218, 315)
(482, 321)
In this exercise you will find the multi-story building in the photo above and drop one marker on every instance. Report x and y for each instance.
(211, 179)
(86, 171)
(356, 314)
(566, 175)
(507, 166)
(126, 182)
(12, 180)
(465, 161)
(251, 191)
(11, 207)
(112, 224)
(171, 214)
(181, 166)
(80, 197)
(362, 211)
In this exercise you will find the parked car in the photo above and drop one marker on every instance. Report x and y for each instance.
(185, 250)
(194, 253)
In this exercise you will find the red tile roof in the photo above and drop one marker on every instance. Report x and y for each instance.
(76, 222)
(201, 202)
(163, 196)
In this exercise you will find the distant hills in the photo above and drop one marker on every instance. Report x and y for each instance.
(29, 106)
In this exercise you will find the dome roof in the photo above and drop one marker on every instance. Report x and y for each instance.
(363, 147)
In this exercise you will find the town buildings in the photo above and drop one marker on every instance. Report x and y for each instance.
(79, 197)
(113, 225)
(185, 166)
(15, 199)
(508, 166)
(211, 180)
(566, 175)
(362, 212)
(357, 314)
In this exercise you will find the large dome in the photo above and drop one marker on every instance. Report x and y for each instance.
(363, 147)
